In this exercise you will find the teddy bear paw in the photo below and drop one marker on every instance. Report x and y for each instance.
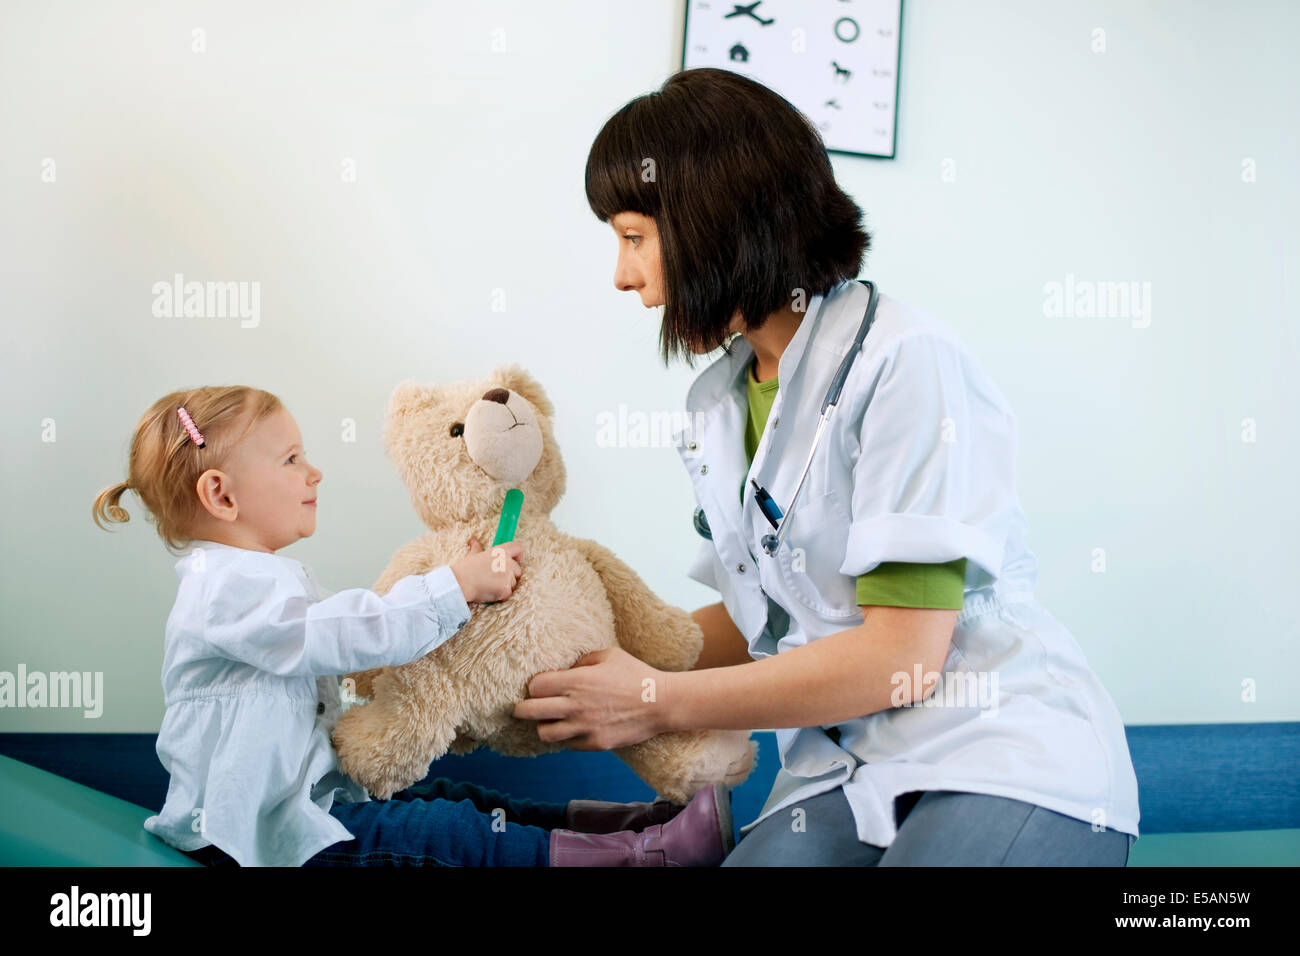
(740, 768)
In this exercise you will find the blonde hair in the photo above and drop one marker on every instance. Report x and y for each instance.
(165, 463)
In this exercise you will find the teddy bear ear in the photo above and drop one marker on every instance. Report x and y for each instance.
(405, 395)
(517, 379)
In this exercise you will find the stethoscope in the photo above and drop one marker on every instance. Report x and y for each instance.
(772, 542)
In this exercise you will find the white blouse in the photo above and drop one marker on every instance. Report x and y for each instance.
(252, 649)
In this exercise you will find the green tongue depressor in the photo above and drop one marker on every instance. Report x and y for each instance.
(514, 503)
(509, 517)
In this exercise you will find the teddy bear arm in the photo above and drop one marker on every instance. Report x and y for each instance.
(646, 627)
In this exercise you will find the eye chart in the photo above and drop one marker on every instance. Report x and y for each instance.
(835, 60)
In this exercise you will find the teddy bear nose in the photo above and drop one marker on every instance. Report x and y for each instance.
(501, 395)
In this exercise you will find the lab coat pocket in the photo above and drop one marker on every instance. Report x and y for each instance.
(810, 559)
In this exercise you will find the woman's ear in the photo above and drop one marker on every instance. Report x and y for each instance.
(515, 378)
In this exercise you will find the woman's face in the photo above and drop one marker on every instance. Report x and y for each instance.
(638, 257)
(638, 260)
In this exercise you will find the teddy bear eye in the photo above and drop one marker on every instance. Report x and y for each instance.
(457, 430)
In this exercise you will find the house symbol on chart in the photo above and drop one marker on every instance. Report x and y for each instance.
(739, 53)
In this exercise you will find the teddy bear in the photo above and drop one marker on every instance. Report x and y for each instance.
(459, 448)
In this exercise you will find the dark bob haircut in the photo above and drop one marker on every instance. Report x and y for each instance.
(748, 212)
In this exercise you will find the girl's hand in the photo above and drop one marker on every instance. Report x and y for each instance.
(489, 575)
(607, 699)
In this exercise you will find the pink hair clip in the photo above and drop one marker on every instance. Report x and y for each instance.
(195, 435)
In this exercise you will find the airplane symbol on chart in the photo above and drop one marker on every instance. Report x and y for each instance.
(748, 11)
(834, 104)
(840, 71)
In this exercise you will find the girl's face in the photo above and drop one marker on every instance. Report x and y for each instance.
(266, 498)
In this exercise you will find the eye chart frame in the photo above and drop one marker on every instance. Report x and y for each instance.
(842, 40)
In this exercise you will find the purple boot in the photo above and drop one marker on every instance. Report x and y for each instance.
(698, 835)
(598, 816)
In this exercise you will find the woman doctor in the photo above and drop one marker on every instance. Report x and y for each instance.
(933, 711)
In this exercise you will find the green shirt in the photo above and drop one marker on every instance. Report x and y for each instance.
(894, 583)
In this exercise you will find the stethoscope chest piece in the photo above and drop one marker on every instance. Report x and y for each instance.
(702, 524)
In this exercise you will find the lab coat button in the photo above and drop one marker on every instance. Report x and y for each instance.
(704, 469)
(740, 568)
(320, 707)
(691, 446)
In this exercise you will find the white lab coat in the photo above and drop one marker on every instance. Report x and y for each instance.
(917, 465)
(252, 650)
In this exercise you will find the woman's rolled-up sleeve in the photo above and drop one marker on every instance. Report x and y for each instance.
(259, 619)
(933, 462)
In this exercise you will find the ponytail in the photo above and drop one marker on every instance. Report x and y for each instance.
(106, 506)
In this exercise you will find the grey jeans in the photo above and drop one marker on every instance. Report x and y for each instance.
(935, 828)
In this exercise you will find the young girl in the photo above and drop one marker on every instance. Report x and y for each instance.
(252, 649)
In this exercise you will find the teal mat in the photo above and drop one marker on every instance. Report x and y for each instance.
(48, 820)
(1241, 848)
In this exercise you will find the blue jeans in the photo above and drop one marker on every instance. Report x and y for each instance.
(437, 823)
(935, 828)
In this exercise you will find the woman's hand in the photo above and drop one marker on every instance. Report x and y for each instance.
(607, 699)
